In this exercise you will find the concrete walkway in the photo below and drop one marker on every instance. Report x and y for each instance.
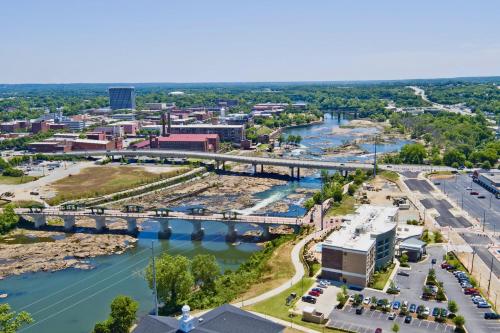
(299, 273)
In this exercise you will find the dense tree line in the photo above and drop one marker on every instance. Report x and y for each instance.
(446, 138)
(201, 283)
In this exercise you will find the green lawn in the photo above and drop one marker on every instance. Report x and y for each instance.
(380, 278)
(7, 180)
(343, 208)
(389, 175)
(276, 307)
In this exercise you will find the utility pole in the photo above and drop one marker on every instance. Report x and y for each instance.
(491, 270)
(472, 265)
(484, 218)
(155, 292)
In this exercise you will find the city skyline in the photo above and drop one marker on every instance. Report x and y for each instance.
(193, 41)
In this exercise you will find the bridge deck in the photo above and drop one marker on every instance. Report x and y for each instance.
(286, 162)
(257, 219)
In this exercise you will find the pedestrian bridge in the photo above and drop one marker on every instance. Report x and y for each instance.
(101, 216)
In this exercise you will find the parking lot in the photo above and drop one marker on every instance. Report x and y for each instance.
(456, 189)
(369, 320)
(324, 303)
(411, 291)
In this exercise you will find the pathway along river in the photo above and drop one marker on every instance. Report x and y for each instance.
(72, 300)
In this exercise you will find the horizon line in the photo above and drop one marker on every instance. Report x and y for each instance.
(259, 82)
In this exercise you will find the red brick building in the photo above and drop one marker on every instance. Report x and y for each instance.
(192, 142)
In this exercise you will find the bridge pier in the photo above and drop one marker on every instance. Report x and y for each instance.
(298, 173)
(254, 169)
(232, 232)
(266, 234)
(223, 165)
(198, 231)
(69, 222)
(132, 225)
(339, 115)
(262, 168)
(165, 229)
(291, 172)
(100, 223)
(40, 221)
(216, 165)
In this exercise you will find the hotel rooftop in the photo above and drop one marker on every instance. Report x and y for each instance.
(359, 230)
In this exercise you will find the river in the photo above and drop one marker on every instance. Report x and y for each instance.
(74, 300)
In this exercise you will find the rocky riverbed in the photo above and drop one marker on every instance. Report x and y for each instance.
(24, 251)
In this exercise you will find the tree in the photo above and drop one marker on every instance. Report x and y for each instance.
(453, 156)
(395, 328)
(173, 279)
(8, 219)
(122, 317)
(453, 306)
(351, 190)
(438, 236)
(459, 321)
(413, 153)
(486, 165)
(403, 260)
(11, 321)
(205, 271)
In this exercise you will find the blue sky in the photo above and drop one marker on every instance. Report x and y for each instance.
(254, 40)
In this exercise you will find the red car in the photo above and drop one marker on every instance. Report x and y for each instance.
(314, 293)
(444, 265)
(378, 330)
(474, 193)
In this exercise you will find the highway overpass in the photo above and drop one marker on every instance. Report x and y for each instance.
(283, 162)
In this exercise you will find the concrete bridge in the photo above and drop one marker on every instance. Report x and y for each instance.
(101, 216)
(294, 164)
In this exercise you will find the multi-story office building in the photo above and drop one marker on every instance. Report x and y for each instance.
(365, 243)
(122, 98)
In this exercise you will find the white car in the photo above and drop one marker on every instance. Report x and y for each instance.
(367, 300)
(426, 311)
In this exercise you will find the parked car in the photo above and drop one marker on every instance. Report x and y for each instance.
(309, 299)
(319, 290)
(314, 293)
(444, 265)
(367, 300)
(378, 330)
(359, 310)
(468, 188)
(474, 193)
(436, 312)
(477, 299)
(413, 308)
(481, 197)
(408, 319)
(433, 261)
(405, 304)
(403, 273)
(426, 311)
(483, 305)
(396, 305)
(491, 315)
(392, 316)
(444, 313)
